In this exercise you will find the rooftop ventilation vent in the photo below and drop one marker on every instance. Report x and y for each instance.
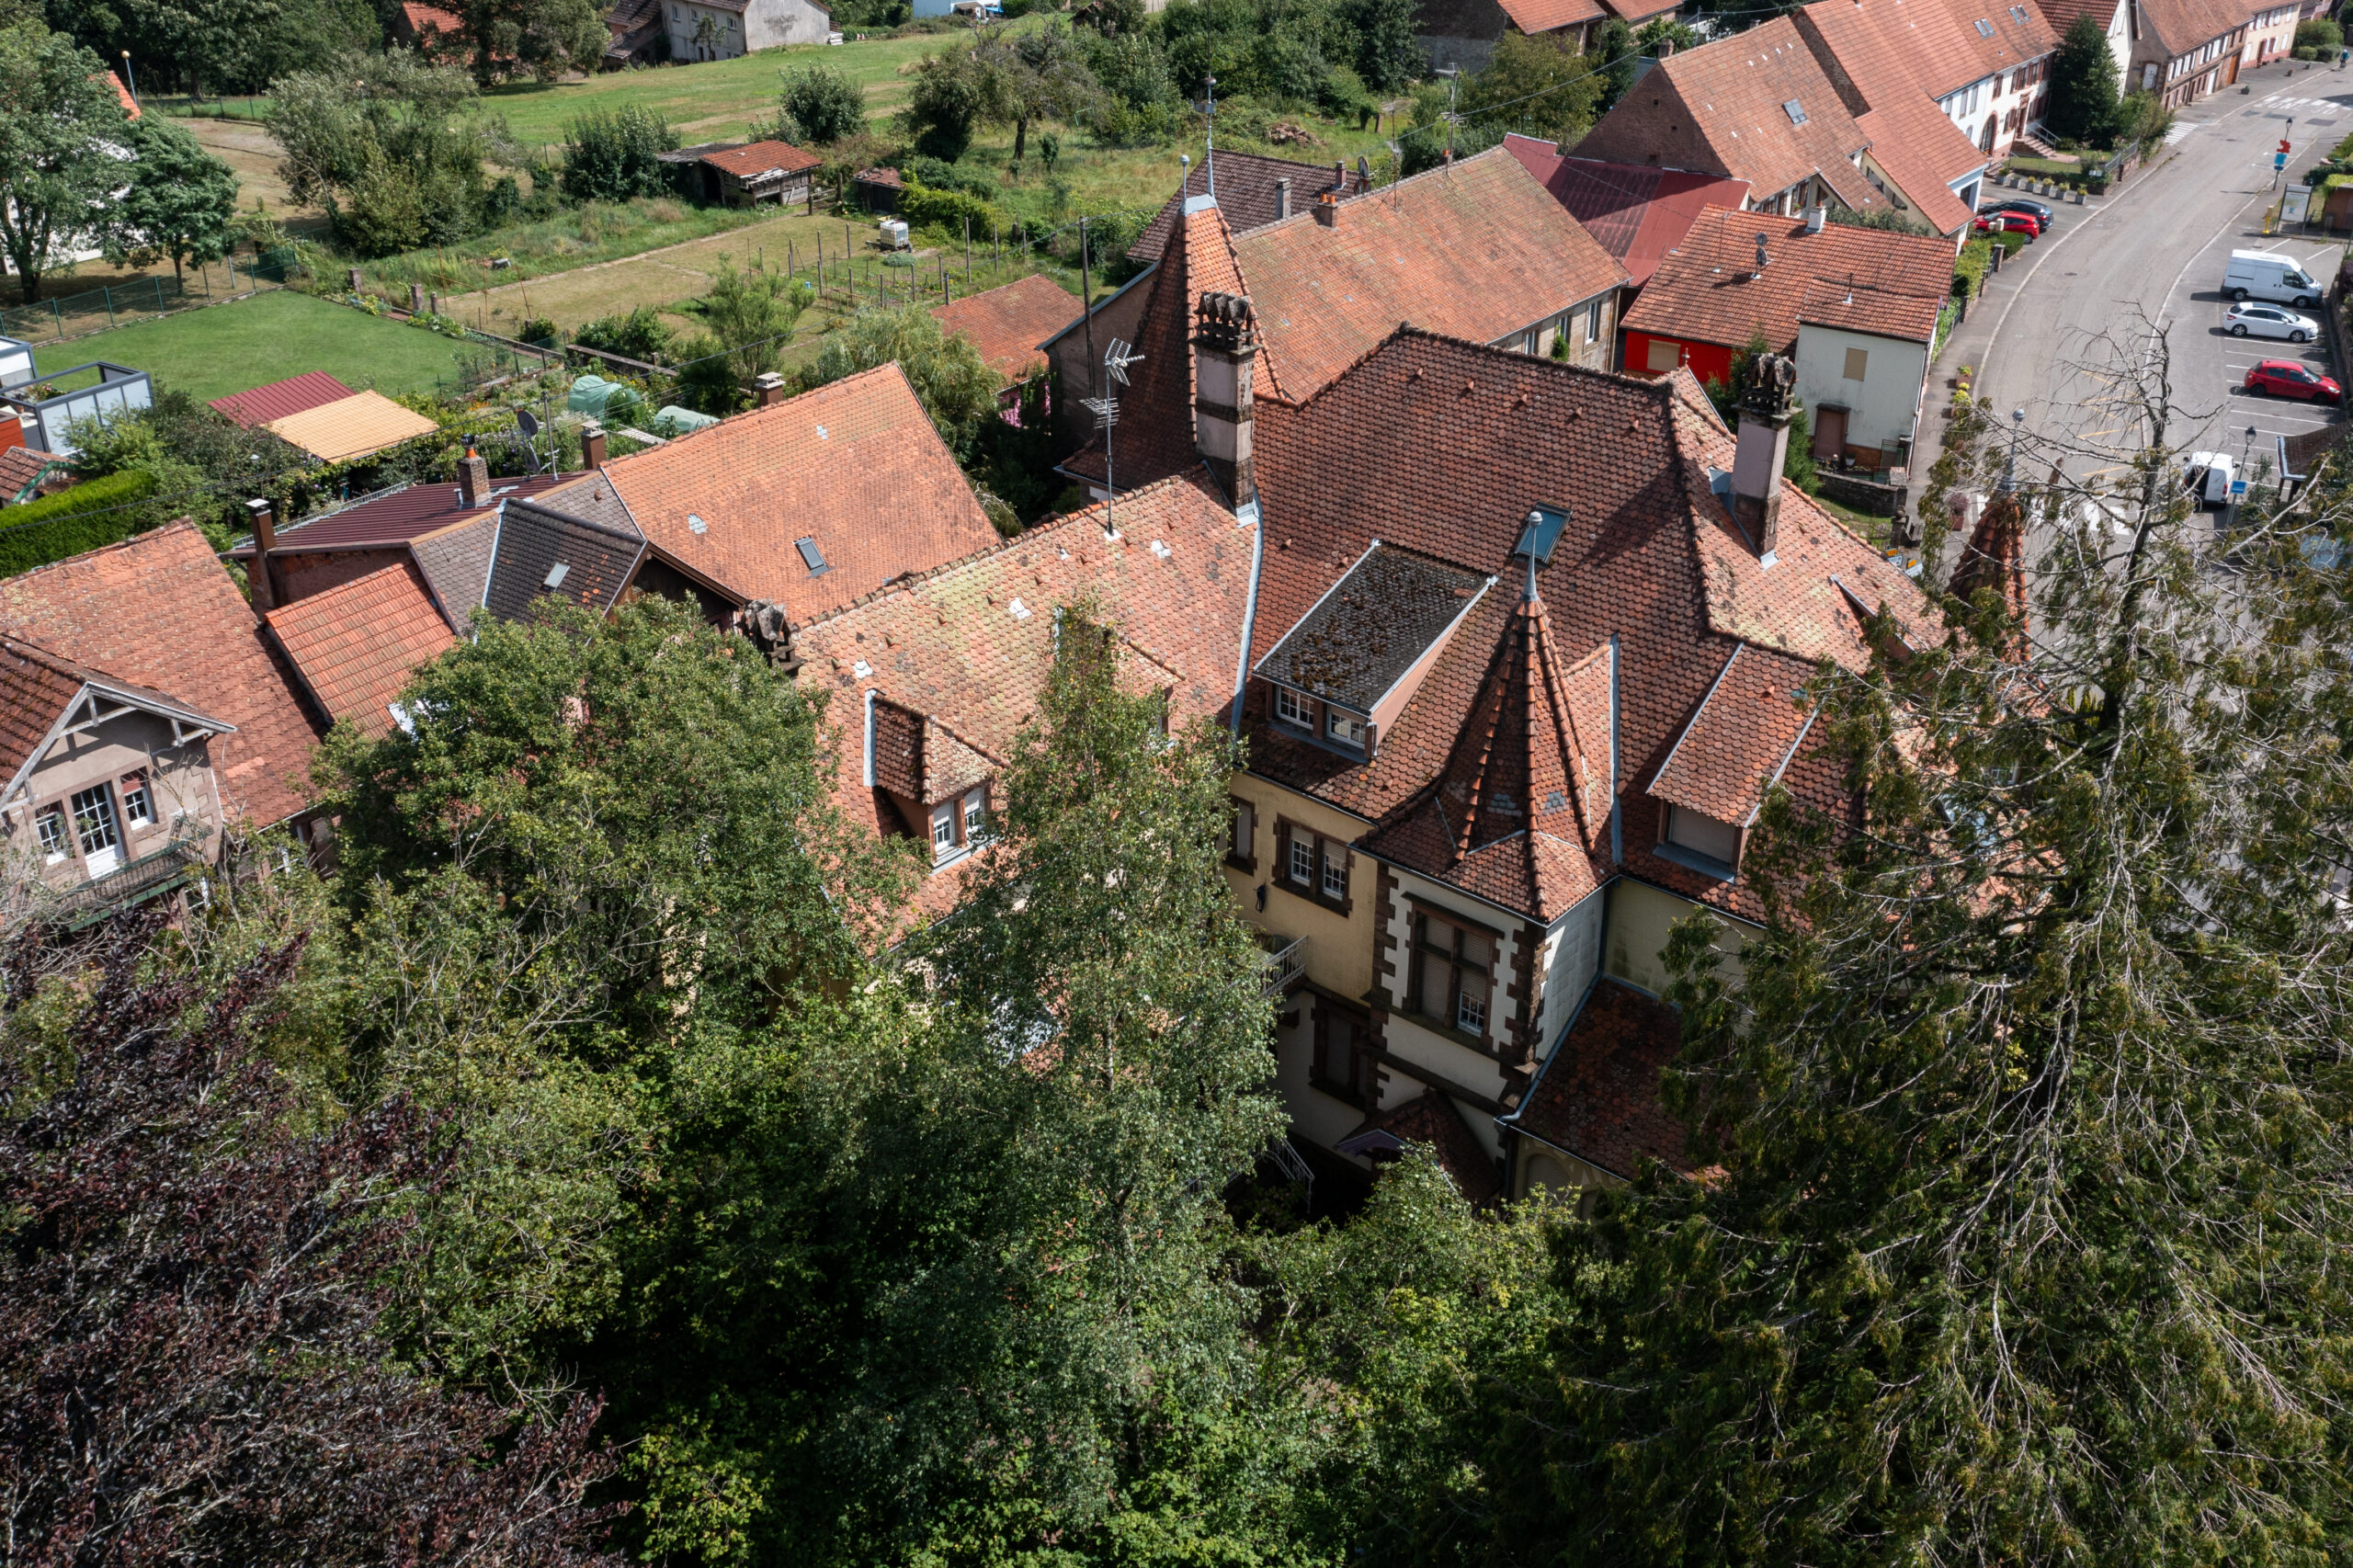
(556, 574)
(1795, 110)
(1543, 533)
(812, 557)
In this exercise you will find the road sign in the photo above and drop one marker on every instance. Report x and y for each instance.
(2238, 488)
(2278, 160)
(2283, 145)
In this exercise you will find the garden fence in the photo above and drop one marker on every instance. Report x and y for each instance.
(95, 310)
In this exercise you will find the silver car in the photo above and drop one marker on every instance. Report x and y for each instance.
(2248, 319)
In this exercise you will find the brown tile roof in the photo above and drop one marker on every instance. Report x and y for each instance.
(36, 685)
(1634, 212)
(968, 645)
(1721, 109)
(1707, 289)
(539, 553)
(159, 610)
(1008, 322)
(854, 465)
(396, 515)
(356, 644)
(1744, 736)
(1246, 195)
(1922, 152)
(761, 158)
(296, 394)
(1545, 16)
(1475, 251)
(2181, 27)
(1598, 1096)
(456, 564)
(1932, 47)
(1648, 556)
(1434, 1120)
(2062, 14)
(23, 468)
(352, 427)
(1478, 250)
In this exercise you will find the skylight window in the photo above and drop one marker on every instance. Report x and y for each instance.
(1985, 27)
(1542, 532)
(1795, 110)
(556, 574)
(2017, 15)
(812, 557)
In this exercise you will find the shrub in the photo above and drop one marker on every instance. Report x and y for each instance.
(538, 331)
(925, 208)
(637, 335)
(823, 103)
(2325, 38)
(614, 155)
(1969, 269)
(94, 513)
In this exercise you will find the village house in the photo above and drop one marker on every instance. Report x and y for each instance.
(1635, 213)
(722, 29)
(1855, 308)
(2180, 49)
(2270, 35)
(1010, 326)
(1476, 248)
(151, 726)
(1986, 65)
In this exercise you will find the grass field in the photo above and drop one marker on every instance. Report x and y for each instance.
(222, 349)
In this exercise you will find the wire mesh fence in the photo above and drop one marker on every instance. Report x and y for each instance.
(144, 298)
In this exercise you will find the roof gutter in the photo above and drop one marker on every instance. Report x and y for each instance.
(1253, 515)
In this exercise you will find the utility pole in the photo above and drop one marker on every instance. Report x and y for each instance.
(1086, 313)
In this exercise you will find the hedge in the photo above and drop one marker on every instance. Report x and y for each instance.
(1969, 268)
(100, 512)
(923, 206)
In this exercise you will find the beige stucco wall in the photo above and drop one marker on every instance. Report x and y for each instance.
(1339, 947)
(1640, 917)
(179, 780)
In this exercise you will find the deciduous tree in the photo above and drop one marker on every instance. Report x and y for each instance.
(63, 137)
(182, 202)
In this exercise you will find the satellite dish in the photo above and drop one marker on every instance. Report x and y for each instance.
(527, 422)
(1364, 170)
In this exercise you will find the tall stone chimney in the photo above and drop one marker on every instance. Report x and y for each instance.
(265, 521)
(1764, 448)
(770, 388)
(1283, 197)
(473, 481)
(1225, 362)
(592, 446)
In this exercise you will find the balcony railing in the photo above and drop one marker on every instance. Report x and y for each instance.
(1286, 962)
(143, 878)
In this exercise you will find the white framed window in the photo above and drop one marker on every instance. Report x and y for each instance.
(1454, 967)
(54, 843)
(1336, 873)
(976, 804)
(1593, 321)
(1243, 840)
(1293, 707)
(943, 831)
(1314, 864)
(94, 820)
(1303, 862)
(1471, 1011)
(1344, 728)
(138, 807)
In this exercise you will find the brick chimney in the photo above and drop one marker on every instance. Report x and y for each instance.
(1225, 361)
(473, 481)
(1340, 175)
(258, 577)
(768, 387)
(1283, 197)
(1764, 448)
(1327, 209)
(592, 444)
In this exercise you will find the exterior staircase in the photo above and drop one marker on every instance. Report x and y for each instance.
(2029, 142)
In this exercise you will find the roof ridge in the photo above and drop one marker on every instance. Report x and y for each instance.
(182, 521)
(610, 531)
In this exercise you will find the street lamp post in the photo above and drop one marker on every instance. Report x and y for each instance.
(130, 78)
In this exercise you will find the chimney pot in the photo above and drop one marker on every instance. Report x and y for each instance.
(473, 481)
(1327, 210)
(1666, 47)
(769, 386)
(1283, 197)
(265, 523)
(592, 444)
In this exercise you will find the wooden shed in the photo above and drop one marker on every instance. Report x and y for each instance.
(764, 171)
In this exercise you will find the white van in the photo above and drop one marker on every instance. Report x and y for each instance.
(2267, 274)
(2207, 476)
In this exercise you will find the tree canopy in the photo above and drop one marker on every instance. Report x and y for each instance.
(61, 129)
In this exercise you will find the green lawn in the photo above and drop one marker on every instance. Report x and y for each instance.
(228, 348)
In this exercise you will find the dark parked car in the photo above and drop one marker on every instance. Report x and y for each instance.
(2286, 378)
(2035, 209)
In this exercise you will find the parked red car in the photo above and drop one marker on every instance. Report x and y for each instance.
(2286, 378)
(2026, 223)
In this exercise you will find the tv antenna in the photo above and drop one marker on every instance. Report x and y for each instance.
(1115, 360)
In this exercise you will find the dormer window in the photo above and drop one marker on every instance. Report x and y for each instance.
(1704, 837)
(958, 824)
(1294, 708)
(1346, 729)
(812, 557)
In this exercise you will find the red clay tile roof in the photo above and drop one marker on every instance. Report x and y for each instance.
(1922, 152)
(1932, 47)
(763, 157)
(2181, 27)
(968, 645)
(2062, 14)
(1721, 109)
(1545, 16)
(421, 15)
(1246, 195)
(356, 644)
(1707, 289)
(36, 685)
(22, 468)
(122, 96)
(854, 465)
(1598, 1097)
(296, 394)
(1008, 322)
(159, 610)
(1741, 739)
(1434, 1120)
(1649, 556)
(1634, 212)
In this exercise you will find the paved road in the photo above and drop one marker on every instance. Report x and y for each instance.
(2159, 246)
